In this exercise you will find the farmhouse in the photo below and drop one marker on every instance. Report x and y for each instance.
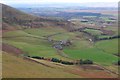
(59, 44)
(65, 42)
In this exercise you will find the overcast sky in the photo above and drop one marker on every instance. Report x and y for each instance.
(58, 1)
(87, 3)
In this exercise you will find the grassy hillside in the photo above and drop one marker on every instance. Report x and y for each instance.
(19, 20)
(16, 67)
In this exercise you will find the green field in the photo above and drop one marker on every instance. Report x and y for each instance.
(109, 46)
(92, 54)
(100, 52)
(93, 32)
(32, 42)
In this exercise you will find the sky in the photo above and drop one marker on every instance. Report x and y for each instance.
(55, 1)
(88, 3)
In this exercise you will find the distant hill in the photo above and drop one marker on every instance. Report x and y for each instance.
(14, 19)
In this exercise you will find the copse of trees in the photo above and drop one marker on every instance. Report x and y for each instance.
(62, 62)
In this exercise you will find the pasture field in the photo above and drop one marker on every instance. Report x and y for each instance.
(109, 46)
(107, 19)
(93, 54)
(93, 32)
(34, 43)
(45, 31)
(102, 52)
(114, 29)
(65, 36)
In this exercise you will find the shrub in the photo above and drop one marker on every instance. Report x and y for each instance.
(86, 62)
(37, 57)
(55, 60)
(67, 63)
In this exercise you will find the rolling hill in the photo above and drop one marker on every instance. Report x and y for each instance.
(19, 20)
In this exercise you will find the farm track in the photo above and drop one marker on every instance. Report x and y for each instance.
(61, 53)
(108, 70)
(29, 59)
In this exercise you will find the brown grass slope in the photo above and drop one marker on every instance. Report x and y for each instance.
(14, 19)
(18, 67)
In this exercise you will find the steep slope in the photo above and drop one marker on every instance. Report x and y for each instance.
(17, 67)
(15, 19)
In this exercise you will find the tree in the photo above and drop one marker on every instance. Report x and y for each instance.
(85, 61)
(37, 57)
(55, 60)
(119, 62)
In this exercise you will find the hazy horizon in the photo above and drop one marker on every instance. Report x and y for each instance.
(85, 3)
